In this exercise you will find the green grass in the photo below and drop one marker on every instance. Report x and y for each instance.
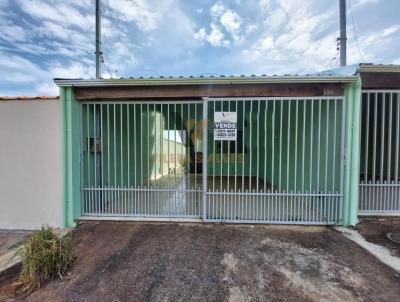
(45, 256)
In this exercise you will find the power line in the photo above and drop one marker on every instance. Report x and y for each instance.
(105, 43)
(335, 58)
(355, 34)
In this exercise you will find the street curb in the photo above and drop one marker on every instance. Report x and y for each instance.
(380, 252)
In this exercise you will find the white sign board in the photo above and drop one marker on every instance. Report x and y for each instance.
(225, 126)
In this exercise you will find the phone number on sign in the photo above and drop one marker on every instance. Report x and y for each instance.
(225, 134)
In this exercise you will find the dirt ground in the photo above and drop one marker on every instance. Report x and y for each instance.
(376, 229)
(183, 262)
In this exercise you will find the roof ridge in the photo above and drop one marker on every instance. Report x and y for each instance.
(22, 98)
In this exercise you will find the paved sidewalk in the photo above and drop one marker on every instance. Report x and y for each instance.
(10, 242)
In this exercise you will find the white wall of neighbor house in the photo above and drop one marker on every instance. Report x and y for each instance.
(30, 163)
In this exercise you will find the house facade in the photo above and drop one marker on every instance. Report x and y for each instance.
(317, 149)
(264, 149)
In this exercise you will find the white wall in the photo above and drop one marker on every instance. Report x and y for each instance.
(30, 164)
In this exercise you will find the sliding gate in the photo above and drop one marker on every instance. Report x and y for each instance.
(245, 160)
(141, 159)
(379, 162)
(282, 163)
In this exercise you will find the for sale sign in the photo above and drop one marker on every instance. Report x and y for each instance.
(225, 126)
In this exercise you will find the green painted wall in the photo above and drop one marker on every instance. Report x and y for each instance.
(257, 143)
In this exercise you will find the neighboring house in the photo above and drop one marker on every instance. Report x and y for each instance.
(30, 162)
(380, 140)
(259, 149)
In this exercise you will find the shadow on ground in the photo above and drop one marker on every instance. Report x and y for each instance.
(182, 262)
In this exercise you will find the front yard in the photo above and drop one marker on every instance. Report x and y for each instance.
(188, 262)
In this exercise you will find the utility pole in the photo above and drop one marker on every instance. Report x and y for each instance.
(98, 40)
(98, 133)
(343, 38)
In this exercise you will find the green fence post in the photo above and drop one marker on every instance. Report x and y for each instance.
(355, 158)
(352, 153)
(63, 157)
(70, 111)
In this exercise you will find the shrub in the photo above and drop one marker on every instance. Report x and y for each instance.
(45, 256)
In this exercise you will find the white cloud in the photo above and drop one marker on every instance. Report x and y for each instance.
(16, 69)
(216, 38)
(373, 45)
(360, 3)
(225, 27)
(19, 70)
(121, 52)
(267, 43)
(12, 33)
(83, 3)
(217, 9)
(59, 70)
(145, 16)
(200, 35)
(292, 32)
(71, 70)
(277, 19)
(58, 12)
(251, 28)
(47, 89)
(55, 30)
(264, 5)
(264, 36)
(391, 30)
(232, 22)
(57, 22)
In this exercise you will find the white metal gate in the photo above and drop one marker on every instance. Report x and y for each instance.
(379, 164)
(280, 161)
(286, 165)
(139, 159)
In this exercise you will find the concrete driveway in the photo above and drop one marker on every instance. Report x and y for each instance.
(182, 262)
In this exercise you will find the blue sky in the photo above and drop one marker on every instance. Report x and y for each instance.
(43, 39)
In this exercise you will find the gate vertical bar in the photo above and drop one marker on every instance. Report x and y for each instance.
(98, 135)
(128, 137)
(204, 157)
(396, 165)
(367, 122)
(342, 157)
(88, 143)
(83, 195)
(122, 143)
(389, 144)
(108, 145)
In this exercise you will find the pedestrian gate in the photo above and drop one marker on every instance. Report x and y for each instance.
(380, 139)
(246, 160)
